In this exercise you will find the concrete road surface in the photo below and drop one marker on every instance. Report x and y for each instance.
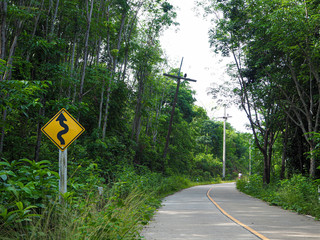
(226, 214)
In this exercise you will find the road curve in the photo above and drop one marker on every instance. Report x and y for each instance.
(220, 212)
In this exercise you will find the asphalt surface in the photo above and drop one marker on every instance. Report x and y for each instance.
(190, 214)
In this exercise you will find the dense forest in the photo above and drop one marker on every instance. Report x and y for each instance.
(102, 61)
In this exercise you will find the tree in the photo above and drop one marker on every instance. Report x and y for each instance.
(275, 47)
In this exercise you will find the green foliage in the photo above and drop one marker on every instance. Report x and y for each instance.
(119, 94)
(16, 216)
(27, 181)
(253, 186)
(27, 185)
(298, 193)
(275, 46)
(119, 213)
(206, 167)
(172, 184)
(315, 136)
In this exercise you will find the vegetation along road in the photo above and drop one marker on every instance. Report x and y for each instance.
(221, 212)
(103, 62)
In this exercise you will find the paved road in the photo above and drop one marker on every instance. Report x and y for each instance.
(190, 214)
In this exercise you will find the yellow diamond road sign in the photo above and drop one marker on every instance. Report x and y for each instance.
(62, 129)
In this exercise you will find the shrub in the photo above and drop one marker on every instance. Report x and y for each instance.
(298, 193)
(254, 186)
(25, 185)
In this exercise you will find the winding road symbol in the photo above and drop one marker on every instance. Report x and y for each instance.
(61, 119)
(62, 129)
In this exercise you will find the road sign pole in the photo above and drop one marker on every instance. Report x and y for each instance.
(63, 157)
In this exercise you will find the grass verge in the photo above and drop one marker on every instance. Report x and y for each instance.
(298, 193)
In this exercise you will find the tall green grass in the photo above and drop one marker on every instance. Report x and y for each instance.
(117, 218)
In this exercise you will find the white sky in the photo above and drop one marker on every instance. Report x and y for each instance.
(200, 63)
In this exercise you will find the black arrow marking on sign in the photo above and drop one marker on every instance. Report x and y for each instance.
(61, 120)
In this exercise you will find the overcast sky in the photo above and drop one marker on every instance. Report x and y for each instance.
(190, 41)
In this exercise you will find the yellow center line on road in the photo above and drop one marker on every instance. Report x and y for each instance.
(235, 220)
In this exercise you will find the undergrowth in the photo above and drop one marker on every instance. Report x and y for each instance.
(30, 208)
(298, 193)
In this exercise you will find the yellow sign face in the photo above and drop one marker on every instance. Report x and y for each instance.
(62, 129)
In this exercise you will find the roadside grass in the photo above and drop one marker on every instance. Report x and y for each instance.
(299, 193)
(125, 206)
(118, 218)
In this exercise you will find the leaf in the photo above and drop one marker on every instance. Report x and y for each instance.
(55, 174)
(29, 207)
(45, 161)
(13, 190)
(4, 213)
(12, 216)
(7, 173)
(5, 164)
(4, 177)
(27, 190)
(19, 205)
(27, 160)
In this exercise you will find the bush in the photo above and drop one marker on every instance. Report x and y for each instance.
(25, 185)
(30, 210)
(254, 186)
(173, 184)
(298, 193)
(206, 167)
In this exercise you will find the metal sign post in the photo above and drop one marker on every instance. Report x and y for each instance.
(63, 161)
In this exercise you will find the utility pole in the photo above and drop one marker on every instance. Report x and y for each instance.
(250, 149)
(174, 105)
(225, 118)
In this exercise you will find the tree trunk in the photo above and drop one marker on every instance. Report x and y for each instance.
(312, 170)
(54, 18)
(284, 150)
(89, 15)
(123, 18)
(4, 9)
(76, 69)
(39, 133)
(3, 5)
(266, 168)
(7, 73)
(136, 126)
(308, 106)
(113, 60)
(105, 119)
(101, 103)
(35, 27)
(4, 116)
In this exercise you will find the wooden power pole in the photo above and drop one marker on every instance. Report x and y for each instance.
(174, 105)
